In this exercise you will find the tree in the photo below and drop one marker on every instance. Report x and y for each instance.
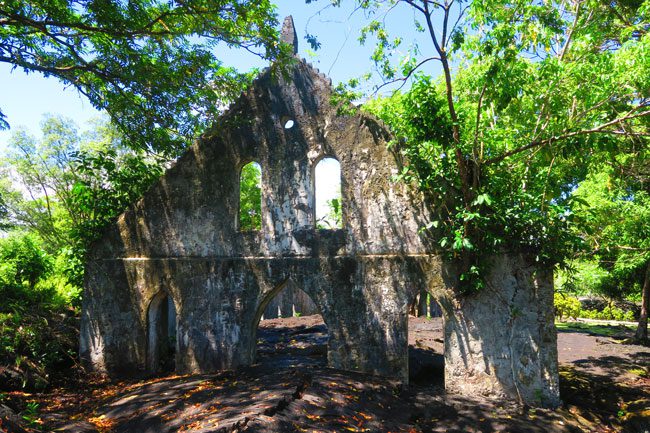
(68, 186)
(642, 329)
(4, 223)
(151, 65)
(43, 178)
(334, 217)
(108, 182)
(23, 263)
(613, 210)
(528, 93)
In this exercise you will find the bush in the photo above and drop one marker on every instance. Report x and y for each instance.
(22, 263)
(38, 326)
(608, 313)
(569, 307)
(35, 343)
(566, 306)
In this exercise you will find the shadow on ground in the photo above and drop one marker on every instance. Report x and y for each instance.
(290, 389)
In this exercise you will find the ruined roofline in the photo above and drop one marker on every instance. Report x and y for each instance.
(288, 36)
(221, 123)
(268, 73)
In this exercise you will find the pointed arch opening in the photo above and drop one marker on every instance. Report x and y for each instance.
(426, 340)
(162, 335)
(250, 197)
(290, 331)
(328, 207)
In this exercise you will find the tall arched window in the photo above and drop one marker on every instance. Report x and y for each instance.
(327, 185)
(250, 197)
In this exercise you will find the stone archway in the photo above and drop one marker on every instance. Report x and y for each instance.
(294, 339)
(161, 334)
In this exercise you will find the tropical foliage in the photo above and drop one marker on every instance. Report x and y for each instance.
(67, 186)
(529, 95)
(534, 138)
(151, 65)
(60, 191)
(250, 197)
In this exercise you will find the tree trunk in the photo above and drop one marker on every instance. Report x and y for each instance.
(642, 328)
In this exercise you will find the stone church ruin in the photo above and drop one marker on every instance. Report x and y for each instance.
(175, 281)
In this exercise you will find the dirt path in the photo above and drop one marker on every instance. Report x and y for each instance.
(292, 390)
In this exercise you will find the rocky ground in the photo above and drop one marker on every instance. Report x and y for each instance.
(605, 386)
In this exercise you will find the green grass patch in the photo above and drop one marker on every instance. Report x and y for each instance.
(595, 328)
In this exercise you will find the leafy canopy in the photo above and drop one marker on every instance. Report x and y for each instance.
(66, 187)
(152, 65)
(22, 263)
(529, 93)
(613, 219)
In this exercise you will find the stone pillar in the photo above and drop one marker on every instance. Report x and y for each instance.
(502, 342)
(366, 315)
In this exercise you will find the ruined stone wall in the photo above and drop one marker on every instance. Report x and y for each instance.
(501, 342)
(183, 238)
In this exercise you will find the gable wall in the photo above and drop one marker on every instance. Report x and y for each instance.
(182, 237)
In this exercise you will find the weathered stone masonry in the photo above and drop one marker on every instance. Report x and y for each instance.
(182, 239)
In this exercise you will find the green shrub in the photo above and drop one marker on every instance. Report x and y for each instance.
(37, 342)
(566, 306)
(608, 313)
(569, 307)
(38, 327)
(23, 263)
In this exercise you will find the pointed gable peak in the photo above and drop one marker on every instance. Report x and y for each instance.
(288, 35)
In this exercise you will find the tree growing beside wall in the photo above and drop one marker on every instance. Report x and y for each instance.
(66, 186)
(529, 93)
(613, 211)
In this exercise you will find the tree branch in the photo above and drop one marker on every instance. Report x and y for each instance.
(571, 30)
(405, 77)
(599, 129)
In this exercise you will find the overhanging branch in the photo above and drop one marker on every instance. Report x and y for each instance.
(601, 129)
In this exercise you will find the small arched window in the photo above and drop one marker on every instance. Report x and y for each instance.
(250, 197)
(327, 185)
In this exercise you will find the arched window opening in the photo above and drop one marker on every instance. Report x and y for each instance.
(250, 197)
(291, 331)
(426, 341)
(327, 186)
(162, 330)
(287, 122)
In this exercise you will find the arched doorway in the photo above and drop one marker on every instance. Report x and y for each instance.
(162, 334)
(426, 340)
(299, 338)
